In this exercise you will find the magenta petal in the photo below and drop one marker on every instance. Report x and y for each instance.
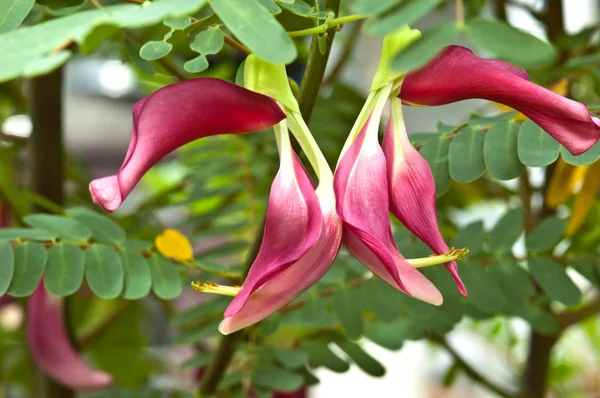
(293, 280)
(292, 226)
(176, 115)
(51, 349)
(412, 190)
(457, 74)
(362, 202)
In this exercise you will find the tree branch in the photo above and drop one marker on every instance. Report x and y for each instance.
(570, 318)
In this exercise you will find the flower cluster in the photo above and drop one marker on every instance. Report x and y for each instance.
(306, 223)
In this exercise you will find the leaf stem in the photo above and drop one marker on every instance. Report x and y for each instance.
(328, 24)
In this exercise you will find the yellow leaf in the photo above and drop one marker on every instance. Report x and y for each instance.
(175, 245)
(563, 181)
(585, 199)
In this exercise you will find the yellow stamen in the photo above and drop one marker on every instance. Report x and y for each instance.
(452, 255)
(214, 288)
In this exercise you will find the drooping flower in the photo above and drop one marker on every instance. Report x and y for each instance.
(301, 239)
(457, 74)
(362, 193)
(412, 188)
(50, 347)
(176, 115)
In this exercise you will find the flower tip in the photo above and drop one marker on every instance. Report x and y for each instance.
(225, 327)
(106, 193)
(99, 381)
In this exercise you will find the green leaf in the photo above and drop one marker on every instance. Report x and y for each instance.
(466, 155)
(587, 268)
(546, 234)
(484, 292)
(381, 299)
(7, 266)
(509, 43)
(500, 151)
(137, 282)
(256, 28)
(26, 233)
(198, 361)
(196, 65)
(291, 359)
(30, 260)
(542, 321)
(271, 6)
(300, 8)
(166, 283)
(104, 271)
(371, 7)
(470, 237)
(132, 49)
(64, 227)
(406, 13)
(507, 231)
(273, 378)
(177, 23)
(25, 54)
(436, 153)
(367, 363)
(97, 36)
(421, 51)
(103, 228)
(198, 334)
(154, 50)
(514, 282)
(209, 41)
(13, 12)
(319, 354)
(61, 3)
(210, 307)
(64, 271)
(393, 335)
(554, 280)
(347, 309)
(536, 148)
(588, 157)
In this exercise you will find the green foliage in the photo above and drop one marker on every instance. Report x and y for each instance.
(500, 151)
(536, 148)
(12, 13)
(435, 151)
(466, 162)
(407, 12)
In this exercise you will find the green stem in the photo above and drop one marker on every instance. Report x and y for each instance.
(311, 84)
(332, 23)
(47, 162)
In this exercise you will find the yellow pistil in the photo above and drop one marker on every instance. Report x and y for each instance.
(215, 288)
(452, 255)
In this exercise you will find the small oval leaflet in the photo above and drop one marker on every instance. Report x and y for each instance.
(104, 271)
(64, 271)
(30, 260)
(154, 50)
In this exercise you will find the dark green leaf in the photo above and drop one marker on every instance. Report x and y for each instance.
(61, 3)
(177, 23)
(256, 28)
(509, 43)
(103, 228)
(271, 6)
(13, 12)
(199, 361)
(436, 153)
(507, 231)
(104, 271)
(30, 260)
(554, 280)
(470, 237)
(203, 310)
(588, 157)
(347, 309)
(198, 334)
(7, 266)
(406, 13)
(587, 268)
(274, 378)
(154, 50)
(292, 359)
(65, 228)
(381, 299)
(514, 281)
(132, 49)
(536, 147)
(466, 155)
(483, 290)
(542, 321)
(166, 283)
(320, 355)
(500, 151)
(424, 49)
(393, 335)
(137, 282)
(367, 363)
(546, 234)
(208, 41)
(64, 271)
(299, 7)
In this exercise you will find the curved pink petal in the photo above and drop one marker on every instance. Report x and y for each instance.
(412, 190)
(294, 279)
(51, 349)
(362, 203)
(292, 226)
(457, 74)
(176, 115)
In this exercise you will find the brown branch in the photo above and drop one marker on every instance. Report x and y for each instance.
(588, 310)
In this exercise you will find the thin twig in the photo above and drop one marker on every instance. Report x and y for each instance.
(570, 318)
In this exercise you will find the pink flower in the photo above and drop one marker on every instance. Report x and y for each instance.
(50, 347)
(362, 193)
(457, 74)
(302, 237)
(176, 115)
(412, 188)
